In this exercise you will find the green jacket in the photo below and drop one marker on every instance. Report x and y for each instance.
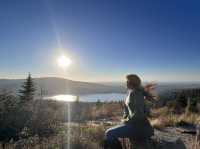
(135, 112)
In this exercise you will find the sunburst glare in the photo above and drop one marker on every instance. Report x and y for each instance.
(64, 61)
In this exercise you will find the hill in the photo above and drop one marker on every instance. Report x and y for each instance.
(54, 86)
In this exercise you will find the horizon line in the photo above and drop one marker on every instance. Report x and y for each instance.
(114, 81)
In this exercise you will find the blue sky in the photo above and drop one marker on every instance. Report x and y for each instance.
(105, 39)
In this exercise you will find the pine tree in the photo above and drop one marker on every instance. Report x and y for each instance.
(27, 91)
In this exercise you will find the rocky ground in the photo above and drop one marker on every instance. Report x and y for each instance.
(173, 133)
(186, 133)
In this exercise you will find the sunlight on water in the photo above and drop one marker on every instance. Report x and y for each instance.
(69, 98)
(68, 126)
(88, 98)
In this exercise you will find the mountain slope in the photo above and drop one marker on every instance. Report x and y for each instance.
(53, 86)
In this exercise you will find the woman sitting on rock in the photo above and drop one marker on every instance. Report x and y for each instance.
(135, 123)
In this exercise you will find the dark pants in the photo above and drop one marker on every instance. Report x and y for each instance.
(119, 131)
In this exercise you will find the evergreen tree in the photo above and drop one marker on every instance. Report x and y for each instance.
(28, 89)
(98, 103)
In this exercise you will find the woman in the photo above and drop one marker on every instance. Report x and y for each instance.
(135, 123)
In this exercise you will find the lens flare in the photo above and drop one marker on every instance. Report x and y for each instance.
(63, 61)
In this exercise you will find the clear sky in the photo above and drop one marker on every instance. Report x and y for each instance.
(105, 39)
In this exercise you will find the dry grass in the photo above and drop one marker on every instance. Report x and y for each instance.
(81, 137)
(195, 144)
(161, 122)
(164, 117)
(91, 137)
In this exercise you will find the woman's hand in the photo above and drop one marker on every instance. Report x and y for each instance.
(124, 120)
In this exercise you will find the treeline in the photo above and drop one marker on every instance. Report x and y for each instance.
(21, 116)
(187, 100)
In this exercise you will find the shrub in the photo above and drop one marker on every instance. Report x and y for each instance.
(18, 120)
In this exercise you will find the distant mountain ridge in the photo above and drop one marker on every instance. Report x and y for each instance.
(54, 86)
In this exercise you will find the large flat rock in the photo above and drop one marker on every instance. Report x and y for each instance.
(168, 138)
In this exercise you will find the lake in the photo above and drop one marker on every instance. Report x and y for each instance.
(89, 98)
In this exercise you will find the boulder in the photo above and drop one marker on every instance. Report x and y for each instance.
(153, 143)
(157, 143)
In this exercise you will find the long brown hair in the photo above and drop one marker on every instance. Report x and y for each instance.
(137, 83)
(134, 80)
(149, 88)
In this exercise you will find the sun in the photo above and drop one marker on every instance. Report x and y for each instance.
(64, 61)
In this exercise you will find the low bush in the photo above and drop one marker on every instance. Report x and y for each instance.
(37, 117)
